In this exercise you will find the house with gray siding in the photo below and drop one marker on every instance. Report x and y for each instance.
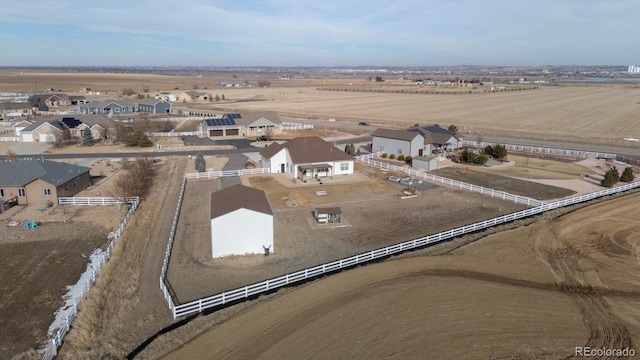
(399, 142)
(109, 107)
(154, 106)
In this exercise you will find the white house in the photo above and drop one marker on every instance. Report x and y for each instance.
(241, 222)
(42, 131)
(399, 142)
(307, 158)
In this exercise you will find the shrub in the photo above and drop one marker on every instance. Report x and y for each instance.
(401, 157)
(627, 175)
(392, 156)
(473, 157)
(200, 163)
(408, 159)
(384, 155)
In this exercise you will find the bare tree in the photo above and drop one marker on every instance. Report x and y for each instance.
(11, 155)
(196, 86)
(127, 91)
(137, 180)
(59, 139)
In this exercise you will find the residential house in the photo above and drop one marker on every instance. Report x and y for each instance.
(17, 128)
(167, 96)
(307, 158)
(154, 106)
(11, 109)
(193, 96)
(111, 107)
(78, 100)
(439, 138)
(399, 142)
(100, 126)
(42, 131)
(41, 182)
(245, 123)
(55, 100)
(241, 222)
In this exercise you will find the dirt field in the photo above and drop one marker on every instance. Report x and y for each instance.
(534, 292)
(593, 114)
(538, 168)
(299, 243)
(36, 266)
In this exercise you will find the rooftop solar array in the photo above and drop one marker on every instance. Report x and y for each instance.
(437, 129)
(71, 123)
(220, 122)
(234, 116)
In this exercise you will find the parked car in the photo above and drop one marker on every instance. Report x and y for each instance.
(262, 138)
(362, 123)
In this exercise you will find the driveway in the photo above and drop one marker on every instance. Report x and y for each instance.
(236, 162)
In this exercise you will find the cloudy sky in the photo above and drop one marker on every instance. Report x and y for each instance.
(319, 33)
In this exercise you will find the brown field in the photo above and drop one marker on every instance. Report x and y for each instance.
(594, 114)
(530, 167)
(534, 292)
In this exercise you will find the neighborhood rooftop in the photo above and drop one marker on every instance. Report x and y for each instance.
(308, 149)
(22, 172)
(395, 134)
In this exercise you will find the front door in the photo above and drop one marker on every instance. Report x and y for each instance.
(281, 168)
(419, 152)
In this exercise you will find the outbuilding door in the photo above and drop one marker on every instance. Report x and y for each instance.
(214, 133)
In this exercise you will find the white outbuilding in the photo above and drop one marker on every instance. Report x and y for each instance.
(241, 222)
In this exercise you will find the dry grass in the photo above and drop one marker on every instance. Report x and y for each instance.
(538, 168)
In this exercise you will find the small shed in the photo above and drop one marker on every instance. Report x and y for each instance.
(424, 162)
(328, 215)
(241, 222)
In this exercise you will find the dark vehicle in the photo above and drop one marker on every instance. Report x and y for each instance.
(262, 138)
(362, 123)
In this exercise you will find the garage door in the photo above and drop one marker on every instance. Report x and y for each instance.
(232, 132)
(215, 133)
(45, 137)
(27, 137)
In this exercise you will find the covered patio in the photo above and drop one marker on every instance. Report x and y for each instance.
(314, 171)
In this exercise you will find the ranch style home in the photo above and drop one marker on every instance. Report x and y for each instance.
(242, 123)
(307, 158)
(241, 222)
(124, 107)
(40, 182)
(399, 142)
(46, 131)
(11, 109)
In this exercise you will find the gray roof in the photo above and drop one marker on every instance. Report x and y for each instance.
(22, 172)
(14, 106)
(239, 197)
(395, 134)
(249, 117)
(37, 123)
(434, 134)
(93, 119)
(103, 104)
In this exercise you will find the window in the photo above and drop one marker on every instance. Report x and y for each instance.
(46, 191)
(381, 148)
(399, 151)
(21, 192)
(344, 166)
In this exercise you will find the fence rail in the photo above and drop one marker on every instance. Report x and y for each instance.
(51, 349)
(369, 160)
(286, 125)
(542, 150)
(93, 200)
(172, 133)
(226, 173)
(244, 292)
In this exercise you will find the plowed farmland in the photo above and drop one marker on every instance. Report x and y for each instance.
(533, 292)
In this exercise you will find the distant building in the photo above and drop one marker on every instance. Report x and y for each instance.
(11, 109)
(634, 69)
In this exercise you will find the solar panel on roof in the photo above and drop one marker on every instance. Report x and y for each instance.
(71, 123)
(220, 122)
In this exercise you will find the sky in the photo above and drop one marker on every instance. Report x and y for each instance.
(319, 32)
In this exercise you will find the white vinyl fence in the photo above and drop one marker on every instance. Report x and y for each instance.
(226, 173)
(244, 292)
(172, 133)
(542, 150)
(8, 123)
(6, 131)
(56, 112)
(51, 349)
(295, 126)
(9, 139)
(93, 200)
(369, 160)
